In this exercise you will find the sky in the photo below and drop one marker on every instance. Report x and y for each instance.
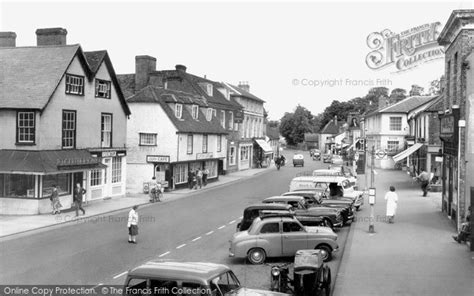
(308, 53)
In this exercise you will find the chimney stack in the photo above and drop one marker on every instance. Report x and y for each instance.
(244, 85)
(144, 65)
(7, 39)
(51, 36)
(180, 68)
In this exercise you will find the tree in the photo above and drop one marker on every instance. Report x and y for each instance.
(294, 125)
(339, 109)
(397, 95)
(435, 87)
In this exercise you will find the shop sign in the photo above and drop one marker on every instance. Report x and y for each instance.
(158, 158)
(109, 153)
(447, 125)
(76, 162)
(239, 116)
(204, 155)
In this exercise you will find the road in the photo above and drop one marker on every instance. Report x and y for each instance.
(195, 228)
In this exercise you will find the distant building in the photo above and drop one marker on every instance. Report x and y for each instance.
(311, 140)
(273, 139)
(63, 121)
(327, 135)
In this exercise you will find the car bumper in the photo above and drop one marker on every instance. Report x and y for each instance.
(336, 249)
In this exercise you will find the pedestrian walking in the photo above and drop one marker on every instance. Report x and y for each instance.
(194, 180)
(78, 195)
(190, 179)
(424, 178)
(205, 173)
(199, 178)
(55, 203)
(392, 199)
(132, 225)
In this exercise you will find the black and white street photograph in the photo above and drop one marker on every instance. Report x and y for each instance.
(236, 147)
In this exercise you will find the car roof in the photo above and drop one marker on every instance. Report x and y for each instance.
(187, 271)
(327, 179)
(268, 206)
(275, 219)
(283, 198)
(296, 192)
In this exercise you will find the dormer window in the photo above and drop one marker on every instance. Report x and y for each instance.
(178, 110)
(195, 111)
(209, 89)
(209, 114)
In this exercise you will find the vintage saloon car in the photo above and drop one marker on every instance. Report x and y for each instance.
(186, 278)
(338, 171)
(308, 214)
(256, 210)
(330, 187)
(313, 199)
(281, 237)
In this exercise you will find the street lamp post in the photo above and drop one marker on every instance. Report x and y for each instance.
(372, 192)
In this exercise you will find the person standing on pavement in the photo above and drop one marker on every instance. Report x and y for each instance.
(78, 195)
(55, 203)
(190, 179)
(132, 225)
(392, 200)
(424, 178)
(199, 178)
(205, 173)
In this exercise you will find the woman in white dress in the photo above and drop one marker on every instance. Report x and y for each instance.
(392, 199)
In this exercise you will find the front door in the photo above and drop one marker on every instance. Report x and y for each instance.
(294, 238)
(107, 188)
(78, 178)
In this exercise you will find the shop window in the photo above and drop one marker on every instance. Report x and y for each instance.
(232, 156)
(62, 182)
(180, 173)
(392, 146)
(13, 185)
(96, 177)
(117, 169)
(211, 165)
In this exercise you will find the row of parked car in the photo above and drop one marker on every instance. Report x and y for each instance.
(305, 217)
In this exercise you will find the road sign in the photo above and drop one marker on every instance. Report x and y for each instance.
(380, 154)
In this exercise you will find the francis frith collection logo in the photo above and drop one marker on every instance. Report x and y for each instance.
(404, 50)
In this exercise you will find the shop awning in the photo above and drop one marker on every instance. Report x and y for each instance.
(407, 152)
(47, 161)
(264, 145)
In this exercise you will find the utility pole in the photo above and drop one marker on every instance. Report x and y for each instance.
(372, 194)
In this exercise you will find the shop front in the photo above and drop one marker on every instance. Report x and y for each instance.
(27, 178)
(245, 155)
(263, 153)
(203, 161)
(449, 179)
(108, 181)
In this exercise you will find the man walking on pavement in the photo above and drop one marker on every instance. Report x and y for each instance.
(78, 194)
(204, 176)
(190, 179)
(199, 178)
(424, 178)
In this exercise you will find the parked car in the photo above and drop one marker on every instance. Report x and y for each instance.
(315, 154)
(338, 171)
(329, 186)
(314, 199)
(298, 159)
(327, 158)
(281, 237)
(256, 210)
(336, 159)
(155, 276)
(310, 214)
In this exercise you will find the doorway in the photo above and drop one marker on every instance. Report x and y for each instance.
(77, 178)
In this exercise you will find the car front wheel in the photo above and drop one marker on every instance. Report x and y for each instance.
(256, 256)
(326, 252)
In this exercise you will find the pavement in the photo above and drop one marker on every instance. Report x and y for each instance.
(414, 256)
(16, 224)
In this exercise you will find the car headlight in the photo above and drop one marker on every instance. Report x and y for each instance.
(275, 271)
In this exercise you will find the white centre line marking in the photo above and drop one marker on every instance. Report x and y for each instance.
(221, 227)
(240, 217)
(197, 238)
(232, 222)
(119, 275)
(97, 286)
(164, 254)
(210, 232)
(180, 246)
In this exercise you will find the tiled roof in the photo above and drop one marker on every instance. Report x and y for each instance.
(436, 105)
(127, 84)
(309, 137)
(407, 104)
(332, 127)
(29, 75)
(237, 91)
(187, 124)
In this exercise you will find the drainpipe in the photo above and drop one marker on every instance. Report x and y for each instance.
(461, 125)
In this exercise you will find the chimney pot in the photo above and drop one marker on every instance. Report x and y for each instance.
(144, 65)
(7, 39)
(181, 68)
(244, 85)
(51, 36)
